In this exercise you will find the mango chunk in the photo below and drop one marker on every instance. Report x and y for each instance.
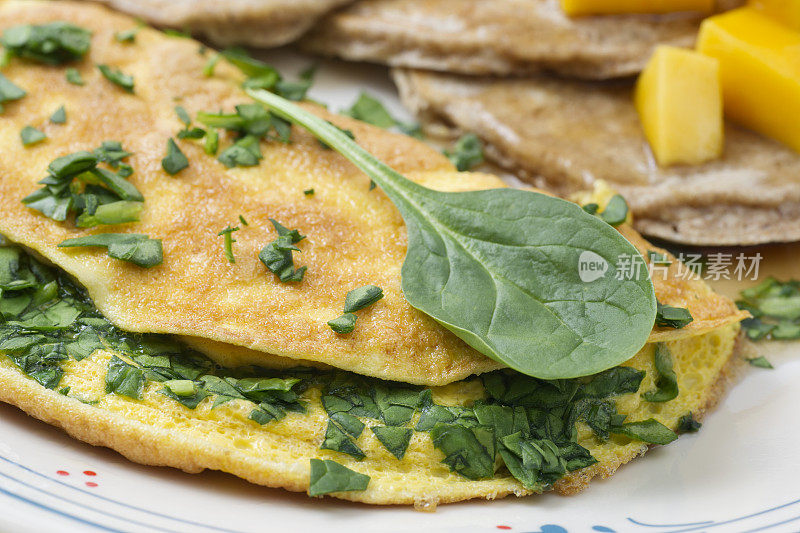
(611, 7)
(760, 71)
(679, 100)
(787, 12)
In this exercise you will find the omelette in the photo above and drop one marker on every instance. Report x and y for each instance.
(171, 342)
(564, 135)
(498, 37)
(263, 23)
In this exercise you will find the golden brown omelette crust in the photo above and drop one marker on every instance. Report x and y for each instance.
(355, 236)
(498, 37)
(563, 135)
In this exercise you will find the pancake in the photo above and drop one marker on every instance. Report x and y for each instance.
(355, 236)
(563, 136)
(264, 23)
(500, 37)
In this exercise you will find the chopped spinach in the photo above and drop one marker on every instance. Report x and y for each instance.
(329, 476)
(55, 43)
(59, 116)
(616, 211)
(760, 362)
(687, 424)
(667, 382)
(668, 316)
(175, 160)
(134, 248)
(8, 91)
(76, 184)
(775, 306)
(277, 255)
(74, 77)
(343, 324)
(394, 439)
(30, 135)
(467, 152)
(117, 77)
(125, 379)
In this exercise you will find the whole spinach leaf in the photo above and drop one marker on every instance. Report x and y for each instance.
(500, 268)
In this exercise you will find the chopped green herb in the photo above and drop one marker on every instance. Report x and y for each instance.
(394, 439)
(467, 152)
(74, 76)
(775, 306)
(120, 212)
(495, 237)
(127, 36)
(124, 379)
(468, 451)
(309, 192)
(208, 69)
(650, 431)
(329, 476)
(343, 324)
(362, 297)
(31, 135)
(668, 316)
(760, 362)
(175, 160)
(368, 109)
(191, 133)
(616, 211)
(61, 196)
(180, 34)
(687, 424)
(227, 234)
(181, 387)
(59, 116)
(259, 74)
(212, 141)
(183, 115)
(591, 208)
(134, 248)
(343, 429)
(277, 255)
(667, 382)
(245, 152)
(9, 91)
(243, 221)
(117, 77)
(54, 43)
(296, 90)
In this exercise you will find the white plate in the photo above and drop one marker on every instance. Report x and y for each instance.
(740, 473)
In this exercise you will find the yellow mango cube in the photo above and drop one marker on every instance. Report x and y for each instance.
(759, 62)
(611, 7)
(787, 12)
(679, 101)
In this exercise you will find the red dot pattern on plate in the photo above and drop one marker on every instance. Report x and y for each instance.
(89, 473)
